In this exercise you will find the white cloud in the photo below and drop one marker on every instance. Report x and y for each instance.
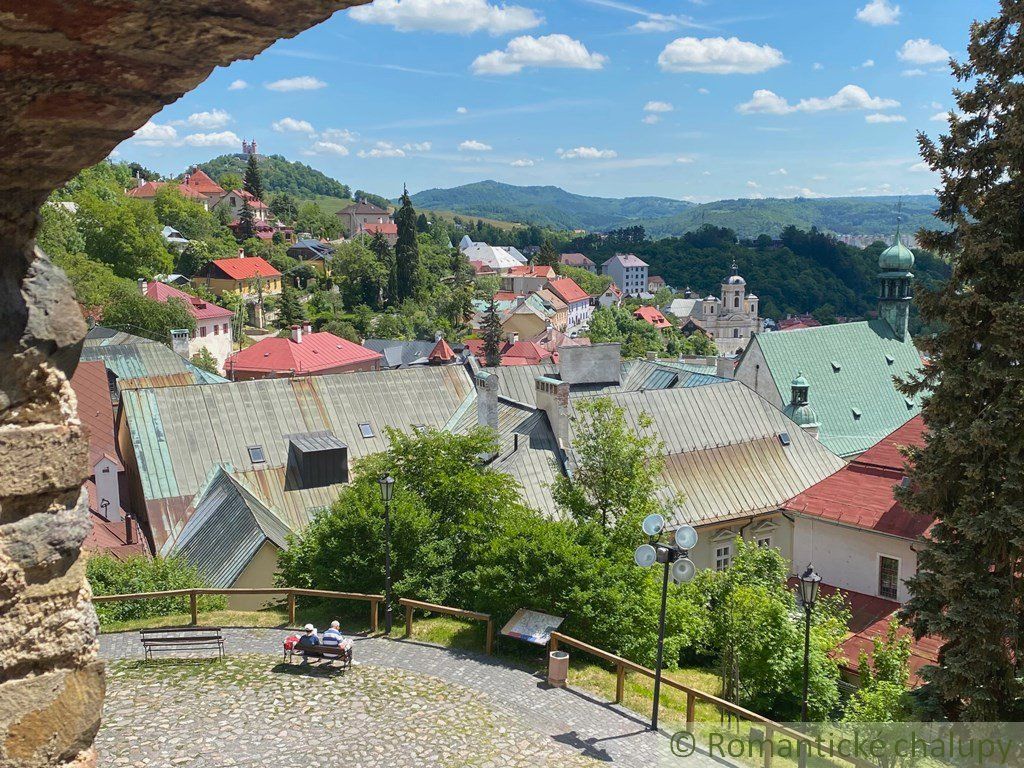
(819, 177)
(472, 145)
(586, 153)
(878, 117)
(522, 163)
(339, 135)
(658, 106)
(546, 51)
(684, 159)
(302, 83)
(461, 110)
(940, 117)
(329, 148)
(703, 91)
(913, 73)
(817, 66)
(215, 118)
(660, 24)
(222, 139)
(382, 149)
(753, 184)
(461, 16)
(779, 172)
(155, 135)
(238, 85)
(879, 13)
(846, 98)
(867, 64)
(652, 119)
(919, 167)
(718, 56)
(805, 192)
(922, 51)
(292, 125)
(417, 146)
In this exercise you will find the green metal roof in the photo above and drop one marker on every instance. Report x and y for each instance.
(896, 257)
(850, 369)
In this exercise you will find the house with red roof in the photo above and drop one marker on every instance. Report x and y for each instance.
(581, 305)
(195, 185)
(361, 213)
(113, 531)
(235, 201)
(579, 261)
(304, 353)
(213, 322)
(526, 279)
(653, 316)
(514, 352)
(385, 227)
(239, 274)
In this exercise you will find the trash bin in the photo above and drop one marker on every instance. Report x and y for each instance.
(558, 668)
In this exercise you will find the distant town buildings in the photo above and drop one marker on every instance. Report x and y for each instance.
(730, 320)
(494, 257)
(249, 275)
(628, 272)
(355, 217)
(579, 261)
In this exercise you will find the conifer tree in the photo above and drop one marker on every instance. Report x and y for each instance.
(547, 256)
(970, 473)
(382, 248)
(407, 249)
(492, 336)
(253, 179)
(246, 222)
(290, 311)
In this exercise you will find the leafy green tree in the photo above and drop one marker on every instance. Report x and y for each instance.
(618, 467)
(360, 273)
(109, 575)
(290, 310)
(312, 218)
(246, 222)
(123, 233)
(132, 312)
(422, 225)
(204, 360)
(186, 215)
(253, 181)
(230, 180)
(407, 250)
(491, 329)
(969, 581)
(284, 207)
(95, 284)
(386, 259)
(342, 329)
(58, 231)
(883, 696)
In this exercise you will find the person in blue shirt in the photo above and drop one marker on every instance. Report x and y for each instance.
(308, 639)
(333, 635)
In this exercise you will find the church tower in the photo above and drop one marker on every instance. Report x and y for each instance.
(733, 289)
(895, 287)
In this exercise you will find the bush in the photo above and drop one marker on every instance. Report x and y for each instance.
(110, 576)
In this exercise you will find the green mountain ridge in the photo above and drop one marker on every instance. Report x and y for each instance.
(281, 175)
(546, 206)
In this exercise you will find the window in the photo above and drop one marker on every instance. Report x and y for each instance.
(765, 542)
(256, 455)
(888, 577)
(735, 333)
(225, 327)
(202, 332)
(723, 557)
(216, 330)
(366, 430)
(736, 300)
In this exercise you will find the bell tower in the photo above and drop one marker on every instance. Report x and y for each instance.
(895, 287)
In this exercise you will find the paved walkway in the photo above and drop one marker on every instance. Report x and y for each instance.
(415, 704)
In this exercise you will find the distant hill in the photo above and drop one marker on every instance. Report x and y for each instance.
(281, 175)
(844, 215)
(546, 206)
(663, 217)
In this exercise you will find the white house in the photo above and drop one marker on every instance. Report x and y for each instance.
(213, 323)
(628, 271)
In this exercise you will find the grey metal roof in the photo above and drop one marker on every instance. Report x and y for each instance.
(100, 335)
(315, 441)
(397, 352)
(723, 450)
(227, 527)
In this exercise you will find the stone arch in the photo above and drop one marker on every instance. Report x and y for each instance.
(77, 77)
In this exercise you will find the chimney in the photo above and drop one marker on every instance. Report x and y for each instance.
(297, 334)
(487, 387)
(595, 364)
(652, 355)
(129, 530)
(725, 367)
(552, 397)
(108, 493)
(512, 338)
(143, 286)
(241, 252)
(438, 335)
(179, 341)
(307, 327)
(138, 180)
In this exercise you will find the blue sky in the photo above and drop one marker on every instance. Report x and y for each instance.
(692, 100)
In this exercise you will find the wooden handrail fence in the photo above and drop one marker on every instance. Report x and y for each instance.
(693, 695)
(414, 605)
(290, 592)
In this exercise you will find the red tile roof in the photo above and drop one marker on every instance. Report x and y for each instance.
(518, 353)
(109, 537)
(546, 272)
(575, 260)
(198, 308)
(441, 353)
(384, 227)
(199, 181)
(150, 188)
(861, 493)
(506, 296)
(652, 316)
(95, 410)
(253, 202)
(246, 268)
(316, 352)
(567, 290)
(480, 268)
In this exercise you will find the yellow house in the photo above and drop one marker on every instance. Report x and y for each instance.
(524, 320)
(240, 274)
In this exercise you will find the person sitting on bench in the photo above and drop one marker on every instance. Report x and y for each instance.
(308, 640)
(333, 635)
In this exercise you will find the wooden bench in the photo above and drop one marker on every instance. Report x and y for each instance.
(322, 651)
(171, 638)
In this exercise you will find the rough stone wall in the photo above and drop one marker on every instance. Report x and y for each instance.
(76, 78)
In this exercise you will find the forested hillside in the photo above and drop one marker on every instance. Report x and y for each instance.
(807, 272)
(545, 206)
(280, 175)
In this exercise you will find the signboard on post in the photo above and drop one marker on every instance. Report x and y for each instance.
(532, 626)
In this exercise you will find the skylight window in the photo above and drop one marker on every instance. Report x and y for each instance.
(836, 367)
(256, 455)
(784, 438)
(909, 401)
(890, 359)
(856, 413)
(366, 430)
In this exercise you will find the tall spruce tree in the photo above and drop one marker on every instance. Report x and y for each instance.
(253, 179)
(547, 256)
(492, 335)
(382, 248)
(407, 249)
(246, 222)
(970, 474)
(290, 310)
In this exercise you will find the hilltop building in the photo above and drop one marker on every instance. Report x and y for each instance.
(850, 369)
(730, 321)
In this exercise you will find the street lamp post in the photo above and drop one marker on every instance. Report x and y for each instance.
(810, 582)
(679, 567)
(387, 488)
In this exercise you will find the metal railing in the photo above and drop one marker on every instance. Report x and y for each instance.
(289, 592)
(414, 605)
(693, 695)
